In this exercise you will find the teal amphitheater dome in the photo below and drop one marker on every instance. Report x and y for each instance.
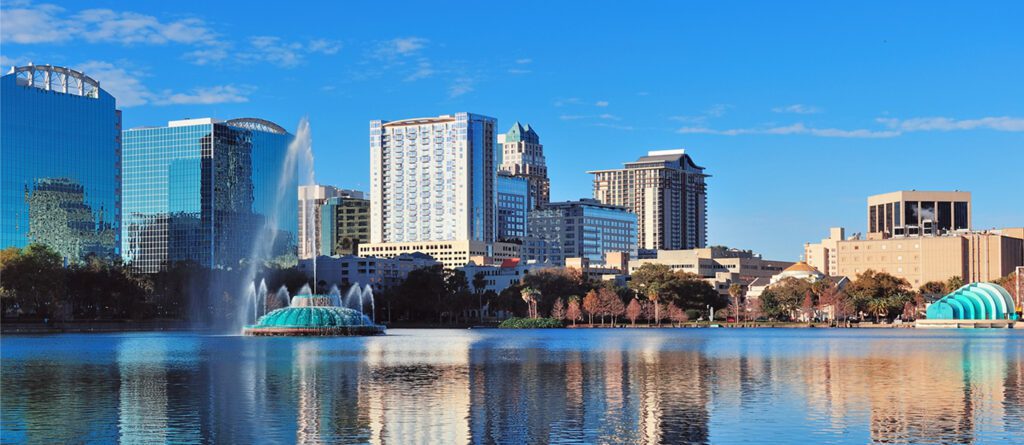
(313, 315)
(975, 301)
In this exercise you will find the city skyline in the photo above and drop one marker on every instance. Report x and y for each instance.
(789, 154)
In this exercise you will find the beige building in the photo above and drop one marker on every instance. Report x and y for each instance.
(912, 213)
(975, 256)
(822, 256)
(718, 266)
(451, 254)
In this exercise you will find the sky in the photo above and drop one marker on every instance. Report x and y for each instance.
(798, 111)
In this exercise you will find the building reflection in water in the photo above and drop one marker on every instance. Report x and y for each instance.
(501, 387)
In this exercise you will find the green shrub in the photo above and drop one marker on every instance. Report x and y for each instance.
(530, 323)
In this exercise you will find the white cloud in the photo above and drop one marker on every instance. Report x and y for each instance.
(130, 92)
(716, 110)
(601, 103)
(399, 47)
(567, 101)
(518, 71)
(221, 94)
(610, 117)
(424, 69)
(798, 128)
(614, 126)
(571, 117)
(460, 86)
(524, 61)
(1001, 123)
(797, 109)
(32, 24)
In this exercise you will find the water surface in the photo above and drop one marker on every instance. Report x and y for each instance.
(496, 386)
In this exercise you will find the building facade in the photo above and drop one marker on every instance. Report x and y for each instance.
(972, 256)
(311, 198)
(432, 179)
(512, 207)
(379, 273)
(584, 228)
(822, 256)
(667, 191)
(523, 157)
(912, 212)
(60, 145)
(203, 190)
(451, 254)
(345, 224)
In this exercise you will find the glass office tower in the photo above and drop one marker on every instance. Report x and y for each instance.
(201, 190)
(59, 148)
(575, 229)
(513, 195)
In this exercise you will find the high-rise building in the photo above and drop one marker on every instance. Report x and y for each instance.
(912, 212)
(345, 224)
(432, 179)
(523, 156)
(311, 198)
(512, 206)
(667, 192)
(60, 151)
(203, 190)
(584, 228)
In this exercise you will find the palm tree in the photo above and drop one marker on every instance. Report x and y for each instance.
(530, 296)
(878, 306)
(736, 292)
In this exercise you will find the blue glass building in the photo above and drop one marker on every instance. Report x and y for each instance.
(513, 203)
(59, 175)
(202, 190)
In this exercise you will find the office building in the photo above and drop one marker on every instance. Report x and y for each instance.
(512, 207)
(345, 224)
(972, 256)
(60, 145)
(432, 179)
(204, 190)
(584, 228)
(523, 157)
(500, 276)
(311, 198)
(379, 273)
(912, 212)
(822, 256)
(667, 192)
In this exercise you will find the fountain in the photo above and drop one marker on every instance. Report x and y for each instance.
(310, 314)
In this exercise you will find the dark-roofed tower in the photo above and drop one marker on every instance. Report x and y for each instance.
(523, 156)
(667, 192)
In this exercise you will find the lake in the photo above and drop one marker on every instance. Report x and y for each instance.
(673, 386)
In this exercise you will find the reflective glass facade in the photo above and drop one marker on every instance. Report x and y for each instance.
(584, 228)
(512, 206)
(59, 149)
(200, 191)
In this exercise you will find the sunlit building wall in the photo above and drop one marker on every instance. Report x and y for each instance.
(59, 162)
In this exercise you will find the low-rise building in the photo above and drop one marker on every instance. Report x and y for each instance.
(452, 254)
(379, 273)
(972, 256)
(500, 276)
(719, 266)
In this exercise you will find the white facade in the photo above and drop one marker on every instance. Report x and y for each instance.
(432, 179)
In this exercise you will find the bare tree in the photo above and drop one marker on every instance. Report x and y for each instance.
(676, 314)
(558, 309)
(573, 311)
(592, 305)
(633, 311)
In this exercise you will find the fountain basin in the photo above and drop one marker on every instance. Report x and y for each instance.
(310, 316)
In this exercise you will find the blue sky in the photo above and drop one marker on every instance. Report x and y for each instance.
(798, 111)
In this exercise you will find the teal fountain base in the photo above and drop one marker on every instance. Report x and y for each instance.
(313, 315)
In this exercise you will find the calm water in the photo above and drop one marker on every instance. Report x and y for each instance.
(488, 386)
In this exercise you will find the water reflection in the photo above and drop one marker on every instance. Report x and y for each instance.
(581, 386)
